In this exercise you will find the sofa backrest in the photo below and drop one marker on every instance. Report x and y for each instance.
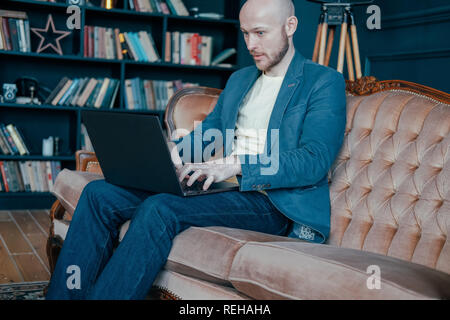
(390, 185)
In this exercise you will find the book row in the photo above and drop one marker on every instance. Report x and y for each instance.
(28, 176)
(193, 49)
(109, 43)
(143, 94)
(11, 141)
(14, 31)
(85, 92)
(175, 7)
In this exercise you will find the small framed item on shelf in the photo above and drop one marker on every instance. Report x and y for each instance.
(9, 92)
(44, 37)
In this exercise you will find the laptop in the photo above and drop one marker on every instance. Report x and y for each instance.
(133, 153)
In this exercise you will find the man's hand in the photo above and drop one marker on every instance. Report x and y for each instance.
(213, 171)
(175, 156)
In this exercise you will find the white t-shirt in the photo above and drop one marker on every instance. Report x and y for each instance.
(254, 115)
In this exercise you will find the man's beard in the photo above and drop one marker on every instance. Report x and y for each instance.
(280, 54)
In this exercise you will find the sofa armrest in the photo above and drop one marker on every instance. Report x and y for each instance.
(87, 161)
(299, 270)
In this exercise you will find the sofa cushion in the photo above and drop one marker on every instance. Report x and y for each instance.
(207, 253)
(68, 187)
(286, 270)
(184, 287)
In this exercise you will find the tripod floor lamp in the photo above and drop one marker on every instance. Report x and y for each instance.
(334, 14)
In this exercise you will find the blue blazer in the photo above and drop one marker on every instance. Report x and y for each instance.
(305, 134)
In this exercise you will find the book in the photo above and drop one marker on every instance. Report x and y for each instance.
(24, 174)
(4, 145)
(180, 7)
(43, 173)
(168, 47)
(2, 37)
(3, 176)
(9, 139)
(129, 102)
(37, 176)
(68, 92)
(62, 92)
(30, 174)
(131, 49)
(82, 84)
(91, 100)
(84, 95)
(149, 45)
(119, 52)
(20, 186)
(114, 96)
(6, 33)
(164, 7)
(149, 96)
(13, 14)
(17, 139)
(48, 168)
(13, 32)
(55, 91)
(225, 54)
(11, 177)
(138, 46)
(106, 102)
(176, 47)
(101, 94)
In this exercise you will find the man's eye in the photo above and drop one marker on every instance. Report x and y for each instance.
(260, 33)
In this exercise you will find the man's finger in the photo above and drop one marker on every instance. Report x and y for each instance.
(176, 158)
(208, 182)
(185, 171)
(194, 177)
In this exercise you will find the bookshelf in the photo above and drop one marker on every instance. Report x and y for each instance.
(37, 122)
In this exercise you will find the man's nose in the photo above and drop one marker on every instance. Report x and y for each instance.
(252, 43)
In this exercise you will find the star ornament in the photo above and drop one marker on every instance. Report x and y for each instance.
(50, 38)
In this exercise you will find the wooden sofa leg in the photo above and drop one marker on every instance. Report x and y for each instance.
(54, 243)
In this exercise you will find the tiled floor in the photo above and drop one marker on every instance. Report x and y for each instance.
(23, 236)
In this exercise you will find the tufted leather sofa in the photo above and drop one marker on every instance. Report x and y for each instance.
(390, 216)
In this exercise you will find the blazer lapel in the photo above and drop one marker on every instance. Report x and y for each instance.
(292, 79)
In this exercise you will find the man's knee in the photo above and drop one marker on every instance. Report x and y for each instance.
(97, 189)
(157, 208)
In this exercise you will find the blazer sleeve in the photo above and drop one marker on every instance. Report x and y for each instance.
(320, 141)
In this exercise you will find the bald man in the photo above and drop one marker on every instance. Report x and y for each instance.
(286, 116)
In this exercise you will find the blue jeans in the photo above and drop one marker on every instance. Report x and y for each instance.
(129, 271)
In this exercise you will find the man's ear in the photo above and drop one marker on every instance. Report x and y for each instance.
(291, 25)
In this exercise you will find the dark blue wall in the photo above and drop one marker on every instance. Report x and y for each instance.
(413, 43)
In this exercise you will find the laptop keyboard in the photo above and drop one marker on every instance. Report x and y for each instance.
(196, 186)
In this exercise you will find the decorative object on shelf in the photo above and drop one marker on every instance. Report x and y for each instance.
(76, 2)
(108, 4)
(27, 90)
(225, 54)
(43, 34)
(9, 92)
(56, 146)
(47, 147)
(209, 15)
